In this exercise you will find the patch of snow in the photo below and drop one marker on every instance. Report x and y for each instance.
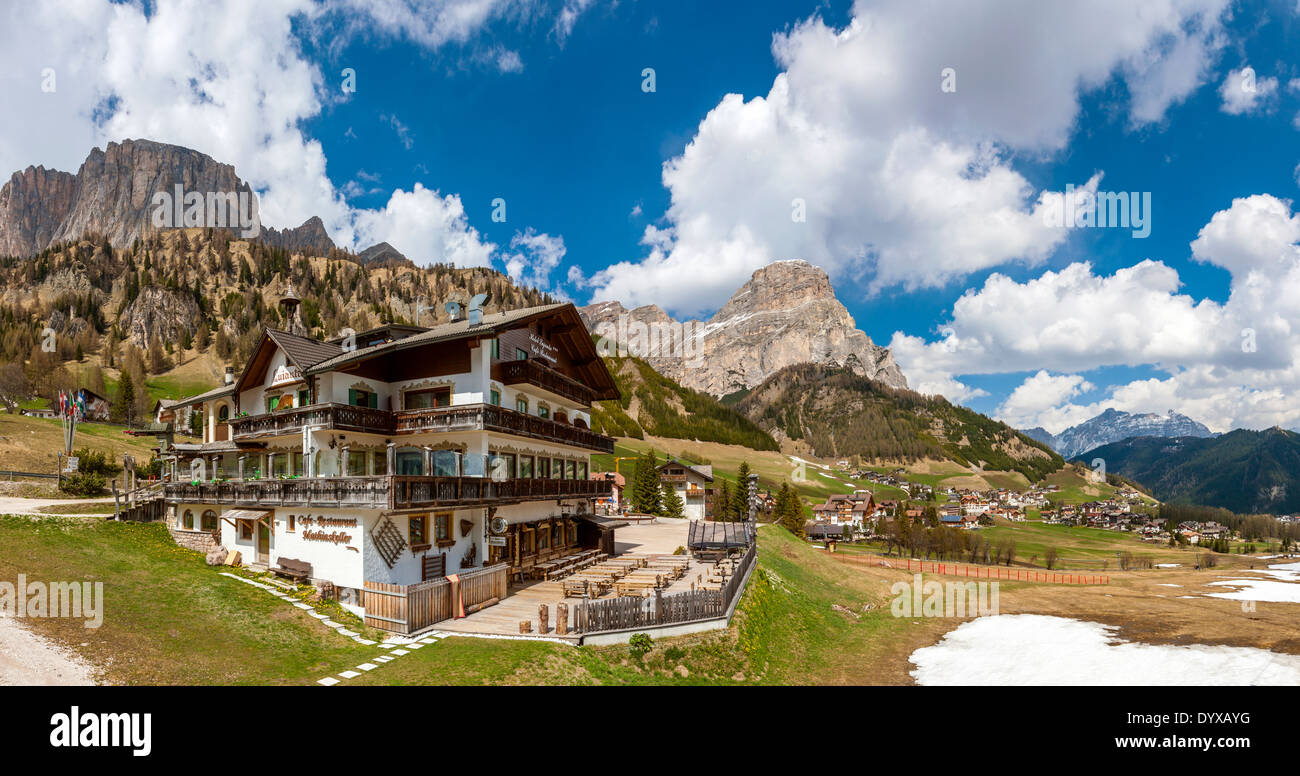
(1282, 589)
(1027, 650)
(1167, 584)
(1168, 565)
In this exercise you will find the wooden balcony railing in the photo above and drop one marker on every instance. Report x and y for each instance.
(382, 492)
(489, 417)
(340, 417)
(467, 417)
(542, 376)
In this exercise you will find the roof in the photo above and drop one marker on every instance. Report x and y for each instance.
(303, 351)
(490, 324)
(614, 477)
(604, 523)
(824, 529)
(708, 535)
(215, 393)
(598, 378)
(704, 470)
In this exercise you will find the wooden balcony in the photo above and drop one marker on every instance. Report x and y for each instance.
(339, 417)
(542, 376)
(382, 492)
(488, 417)
(468, 417)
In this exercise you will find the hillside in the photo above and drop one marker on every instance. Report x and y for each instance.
(655, 405)
(198, 298)
(1244, 471)
(834, 413)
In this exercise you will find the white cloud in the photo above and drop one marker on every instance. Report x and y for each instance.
(1243, 92)
(1037, 400)
(1228, 364)
(901, 182)
(535, 255)
(568, 17)
(230, 79)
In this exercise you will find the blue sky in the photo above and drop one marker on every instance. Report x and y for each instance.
(924, 205)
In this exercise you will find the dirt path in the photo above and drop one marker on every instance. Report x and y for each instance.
(29, 659)
(13, 505)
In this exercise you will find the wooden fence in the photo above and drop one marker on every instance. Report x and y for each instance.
(998, 572)
(624, 613)
(408, 609)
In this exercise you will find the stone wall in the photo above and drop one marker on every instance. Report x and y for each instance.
(199, 541)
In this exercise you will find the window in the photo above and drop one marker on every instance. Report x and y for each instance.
(356, 463)
(187, 521)
(246, 530)
(419, 532)
(209, 521)
(410, 462)
(557, 534)
(299, 466)
(446, 463)
(442, 529)
(271, 401)
(361, 398)
(427, 398)
(292, 523)
(223, 413)
(543, 411)
(521, 354)
(525, 467)
(496, 349)
(543, 468)
(281, 465)
(521, 404)
(303, 399)
(557, 469)
(495, 398)
(381, 462)
(543, 538)
(582, 470)
(570, 470)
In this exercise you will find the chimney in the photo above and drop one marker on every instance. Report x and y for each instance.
(230, 375)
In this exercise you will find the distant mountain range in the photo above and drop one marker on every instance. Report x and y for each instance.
(1242, 470)
(1115, 425)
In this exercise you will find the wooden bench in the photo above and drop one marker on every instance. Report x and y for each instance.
(293, 569)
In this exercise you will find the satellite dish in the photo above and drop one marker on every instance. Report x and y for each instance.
(499, 525)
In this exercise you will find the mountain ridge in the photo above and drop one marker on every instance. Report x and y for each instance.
(1113, 425)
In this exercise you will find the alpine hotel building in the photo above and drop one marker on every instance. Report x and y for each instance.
(403, 454)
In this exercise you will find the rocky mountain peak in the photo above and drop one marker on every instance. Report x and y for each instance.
(113, 194)
(785, 314)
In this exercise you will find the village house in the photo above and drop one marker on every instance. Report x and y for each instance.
(401, 454)
(693, 484)
(613, 503)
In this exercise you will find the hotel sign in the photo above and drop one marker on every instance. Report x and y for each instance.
(542, 349)
(285, 375)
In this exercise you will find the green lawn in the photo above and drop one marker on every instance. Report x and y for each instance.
(168, 617)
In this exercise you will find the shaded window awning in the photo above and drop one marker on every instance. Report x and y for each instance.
(604, 523)
(244, 514)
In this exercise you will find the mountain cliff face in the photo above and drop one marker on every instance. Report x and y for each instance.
(112, 195)
(1114, 425)
(786, 314)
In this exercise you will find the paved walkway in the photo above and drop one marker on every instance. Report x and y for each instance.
(28, 659)
(12, 505)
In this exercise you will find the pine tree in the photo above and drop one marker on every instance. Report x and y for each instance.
(722, 501)
(645, 490)
(789, 512)
(124, 403)
(672, 503)
(742, 491)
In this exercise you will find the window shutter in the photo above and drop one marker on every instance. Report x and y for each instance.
(374, 401)
(352, 396)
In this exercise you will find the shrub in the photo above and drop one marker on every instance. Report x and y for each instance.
(83, 484)
(640, 644)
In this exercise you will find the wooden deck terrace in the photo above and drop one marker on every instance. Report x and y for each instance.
(522, 601)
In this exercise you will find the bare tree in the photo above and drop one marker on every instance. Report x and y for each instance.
(14, 387)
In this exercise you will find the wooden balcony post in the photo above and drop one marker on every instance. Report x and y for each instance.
(391, 452)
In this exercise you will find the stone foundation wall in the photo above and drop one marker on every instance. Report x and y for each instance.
(200, 541)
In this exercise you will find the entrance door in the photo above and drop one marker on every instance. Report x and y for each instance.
(263, 542)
